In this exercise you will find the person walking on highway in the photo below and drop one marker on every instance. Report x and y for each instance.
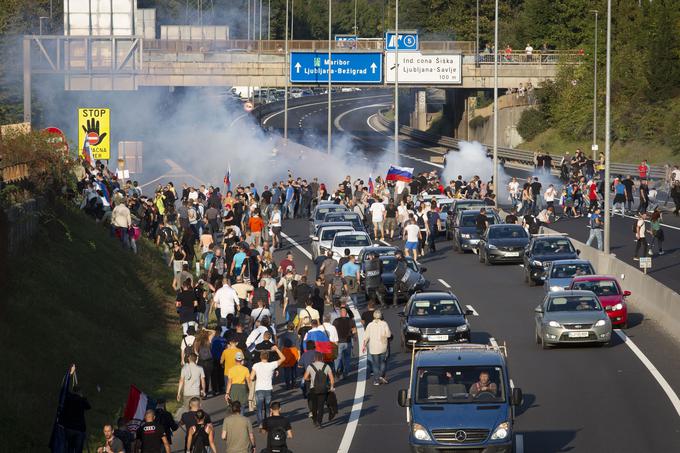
(413, 237)
(263, 374)
(321, 382)
(656, 231)
(278, 430)
(641, 236)
(191, 382)
(237, 431)
(377, 210)
(151, 436)
(376, 340)
(595, 226)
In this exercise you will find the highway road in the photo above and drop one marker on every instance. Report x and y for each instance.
(622, 397)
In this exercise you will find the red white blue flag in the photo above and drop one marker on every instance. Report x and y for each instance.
(227, 179)
(404, 174)
(371, 187)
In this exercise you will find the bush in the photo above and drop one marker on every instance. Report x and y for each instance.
(531, 123)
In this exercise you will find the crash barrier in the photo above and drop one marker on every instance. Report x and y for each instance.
(649, 296)
(508, 154)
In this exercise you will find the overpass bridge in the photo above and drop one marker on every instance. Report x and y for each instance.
(110, 63)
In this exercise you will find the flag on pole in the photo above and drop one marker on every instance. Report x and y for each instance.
(58, 437)
(136, 406)
(227, 179)
(87, 152)
(404, 174)
(371, 187)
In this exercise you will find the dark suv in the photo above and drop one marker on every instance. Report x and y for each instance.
(543, 249)
(433, 318)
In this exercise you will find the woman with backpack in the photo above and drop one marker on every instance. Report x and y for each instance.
(201, 436)
(201, 348)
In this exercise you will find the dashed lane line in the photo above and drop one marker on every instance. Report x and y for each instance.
(665, 386)
(472, 309)
(444, 283)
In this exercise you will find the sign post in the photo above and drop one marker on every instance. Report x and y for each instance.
(346, 67)
(94, 125)
(645, 263)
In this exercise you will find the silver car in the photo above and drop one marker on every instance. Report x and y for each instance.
(321, 242)
(571, 317)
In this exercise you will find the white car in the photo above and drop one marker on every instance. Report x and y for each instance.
(322, 240)
(355, 241)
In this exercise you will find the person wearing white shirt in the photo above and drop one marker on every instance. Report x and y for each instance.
(329, 328)
(376, 340)
(263, 374)
(529, 51)
(377, 217)
(257, 335)
(259, 313)
(413, 237)
(549, 196)
(513, 190)
(227, 301)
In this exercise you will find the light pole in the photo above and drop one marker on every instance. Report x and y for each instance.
(594, 147)
(330, 17)
(607, 133)
(496, 184)
(248, 1)
(269, 20)
(477, 40)
(260, 26)
(355, 18)
(285, 85)
(292, 18)
(396, 82)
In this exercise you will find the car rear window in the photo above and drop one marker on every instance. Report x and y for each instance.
(573, 303)
(571, 270)
(599, 287)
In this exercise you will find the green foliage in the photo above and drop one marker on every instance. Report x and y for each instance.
(531, 123)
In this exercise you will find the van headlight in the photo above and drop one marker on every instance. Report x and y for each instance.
(463, 328)
(501, 432)
(411, 329)
(537, 263)
(420, 433)
(554, 324)
(600, 323)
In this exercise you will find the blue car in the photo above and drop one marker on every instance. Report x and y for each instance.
(559, 273)
(460, 397)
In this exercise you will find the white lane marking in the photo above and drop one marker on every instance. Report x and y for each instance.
(237, 119)
(636, 218)
(318, 103)
(472, 309)
(519, 443)
(444, 283)
(296, 245)
(383, 242)
(360, 390)
(339, 118)
(672, 396)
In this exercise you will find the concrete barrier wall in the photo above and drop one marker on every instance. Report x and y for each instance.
(649, 297)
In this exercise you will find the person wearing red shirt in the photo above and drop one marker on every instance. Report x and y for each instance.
(643, 169)
(256, 224)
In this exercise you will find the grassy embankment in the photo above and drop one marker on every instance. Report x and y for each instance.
(75, 296)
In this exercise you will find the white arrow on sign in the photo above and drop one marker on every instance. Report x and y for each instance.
(297, 67)
(373, 66)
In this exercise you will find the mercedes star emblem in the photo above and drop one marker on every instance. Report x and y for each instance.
(460, 436)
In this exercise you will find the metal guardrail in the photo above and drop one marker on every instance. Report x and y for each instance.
(509, 154)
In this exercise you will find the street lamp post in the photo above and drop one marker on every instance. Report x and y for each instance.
(285, 85)
(260, 25)
(355, 18)
(477, 40)
(594, 147)
(269, 20)
(396, 82)
(496, 183)
(330, 17)
(607, 133)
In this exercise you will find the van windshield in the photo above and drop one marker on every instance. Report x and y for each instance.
(459, 385)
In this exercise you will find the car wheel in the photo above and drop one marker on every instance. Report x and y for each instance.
(488, 260)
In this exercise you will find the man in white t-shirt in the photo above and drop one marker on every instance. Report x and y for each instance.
(263, 374)
(413, 236)
(529, 51)
(641, 237)
(227, 301)
(275, 225)
(377, 217)
(513, 190)
(549, 196)
(191, 382)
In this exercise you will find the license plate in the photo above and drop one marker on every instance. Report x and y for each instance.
(578, 334)
(512, 254)
(437, 337)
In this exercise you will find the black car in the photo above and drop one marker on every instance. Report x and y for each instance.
(541, 250)
(455, 208)
(380, 250)
(433, 318)
(502, 243)
(413, 280)
(465, 233)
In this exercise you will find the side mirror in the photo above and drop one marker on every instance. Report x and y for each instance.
(516, 398)
(538, 309)
(314, 238)
(469, 313)
(578, 251)
(403, 399)
(627, 293)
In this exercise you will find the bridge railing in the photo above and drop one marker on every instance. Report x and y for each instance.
(278, 46)
(520, 57)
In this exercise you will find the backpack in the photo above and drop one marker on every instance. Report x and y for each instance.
(204, 353)
(200, 440)
(188, 349)
(207, 260)
(320, 379)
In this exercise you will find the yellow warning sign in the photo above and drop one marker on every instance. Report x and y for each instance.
(94, 133)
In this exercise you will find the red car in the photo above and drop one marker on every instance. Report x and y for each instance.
(608, 290)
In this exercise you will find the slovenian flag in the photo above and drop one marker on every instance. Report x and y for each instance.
(227, 179)
(137, 404)
(371, 187)
(404, 174)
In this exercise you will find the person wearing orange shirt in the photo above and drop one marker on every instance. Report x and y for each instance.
(256, 224)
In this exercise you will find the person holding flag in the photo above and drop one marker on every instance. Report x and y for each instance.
(227, 180)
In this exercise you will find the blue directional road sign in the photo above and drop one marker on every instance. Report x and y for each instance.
(406, 41)
(346, 67)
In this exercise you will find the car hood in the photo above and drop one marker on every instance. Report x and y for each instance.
(436, 321)
(452, 416)
(509, 242)
(575, 317)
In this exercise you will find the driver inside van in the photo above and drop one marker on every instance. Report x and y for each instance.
(483, 385)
